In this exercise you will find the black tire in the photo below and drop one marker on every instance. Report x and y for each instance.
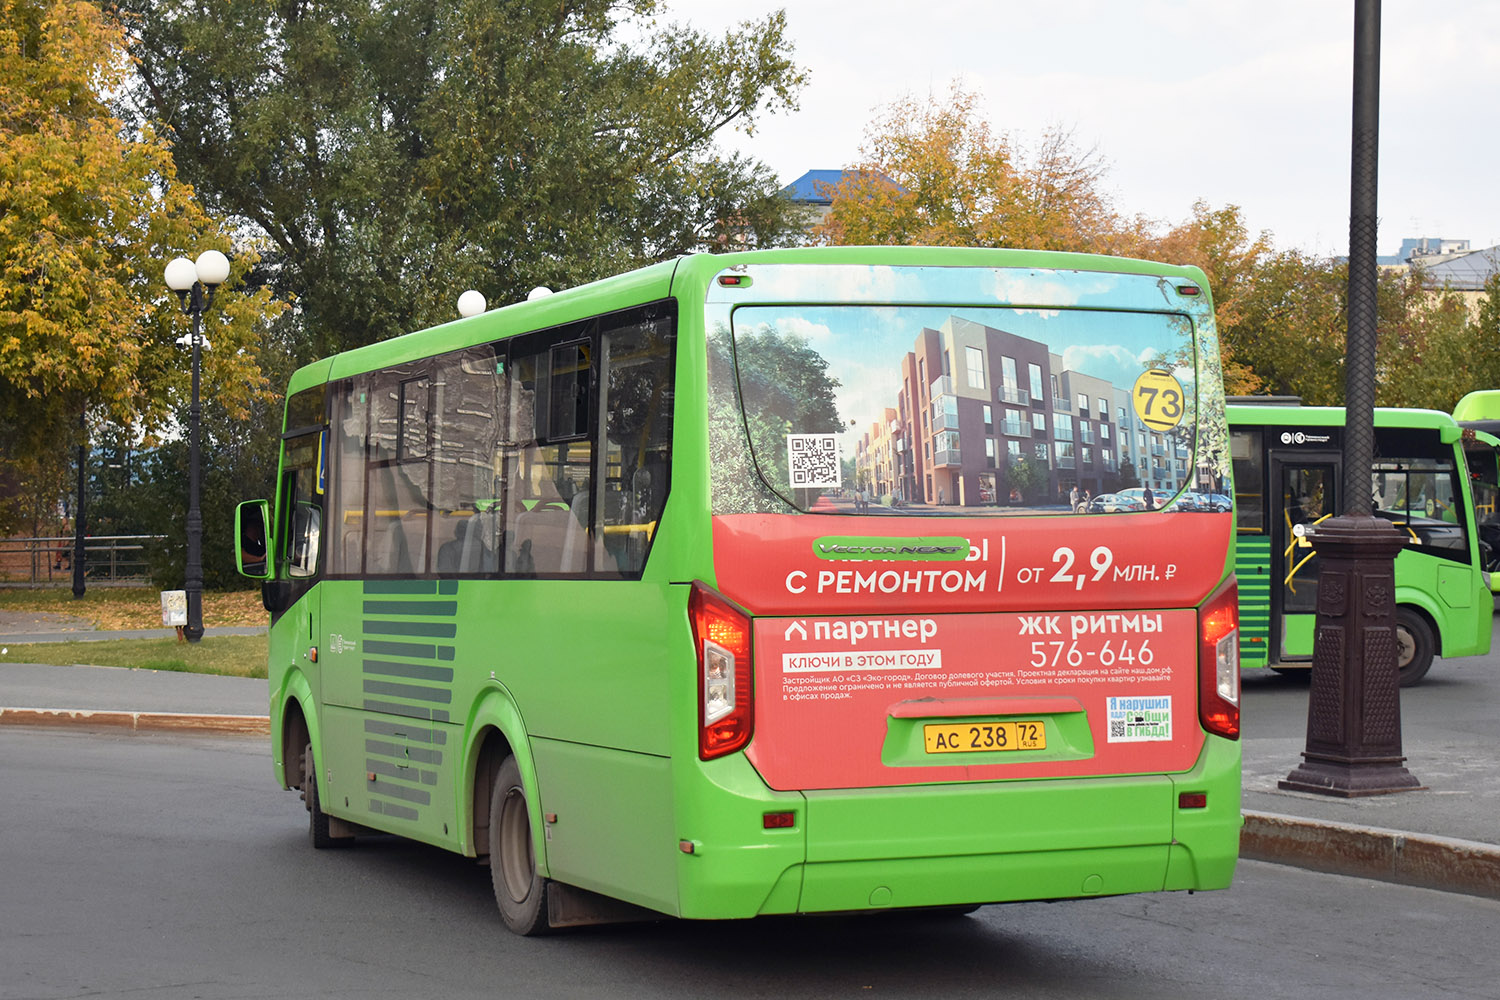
(317, 819)
(520, 889)
(1415, 646)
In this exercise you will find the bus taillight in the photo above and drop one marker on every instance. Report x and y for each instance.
(726, 707)
(1219, 663)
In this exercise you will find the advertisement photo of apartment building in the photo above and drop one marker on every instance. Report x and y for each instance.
(987, 417)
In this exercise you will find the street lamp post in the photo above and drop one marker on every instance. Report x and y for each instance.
(195, 284)
(1354, 703)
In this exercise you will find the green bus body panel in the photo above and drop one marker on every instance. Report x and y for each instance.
(1458, 631)
(494, 714)
(614, 831)
(1257, 415)
(292, 687)
(1252, 571)
(292, 676)
(961, 843)
(1483, 404)
(593, 684)
(308, 376)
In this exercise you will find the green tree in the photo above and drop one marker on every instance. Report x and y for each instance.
(1025, 475)
(89, 214)
(394, 155)
(142, 490)
(1289, 326)
(782, 384)
(1482, 339)
(1426, 353)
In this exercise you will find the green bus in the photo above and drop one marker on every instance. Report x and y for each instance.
(1429, 477)
(747, 584)
(1479, 413)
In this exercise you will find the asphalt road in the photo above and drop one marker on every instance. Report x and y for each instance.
(171, 867)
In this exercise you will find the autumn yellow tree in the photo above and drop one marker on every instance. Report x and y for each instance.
(89, 215)
(1220, 243)
(934, 173)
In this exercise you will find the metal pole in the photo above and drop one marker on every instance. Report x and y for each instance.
(1354, 705)
(1359, 373)
(78, 519)
(193, 583)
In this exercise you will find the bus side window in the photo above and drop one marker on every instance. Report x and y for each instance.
(346, 518)
(302, 506)
(396, 514)
(1249, 479)
(638, 433)
(551, 458)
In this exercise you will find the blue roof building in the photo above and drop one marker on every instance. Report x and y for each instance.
(812, 187)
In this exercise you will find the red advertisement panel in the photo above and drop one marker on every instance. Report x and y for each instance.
(856, 702)
(777, 564)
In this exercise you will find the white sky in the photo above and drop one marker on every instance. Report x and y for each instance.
(1244, 102)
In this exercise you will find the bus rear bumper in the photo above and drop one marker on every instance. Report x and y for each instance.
(988, 843)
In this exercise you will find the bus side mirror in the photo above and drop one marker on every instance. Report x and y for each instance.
(252, 526)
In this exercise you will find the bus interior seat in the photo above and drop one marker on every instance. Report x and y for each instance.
(387, 550)
(480, 554)
(575, 545)
(414, 532)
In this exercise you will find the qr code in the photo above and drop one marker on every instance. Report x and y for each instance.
(1117, 729)
(813, 460)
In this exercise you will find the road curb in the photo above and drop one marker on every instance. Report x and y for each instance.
(248, 725)
(1431, 862)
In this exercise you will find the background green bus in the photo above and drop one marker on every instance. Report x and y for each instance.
(694, 591)
(1288, 475)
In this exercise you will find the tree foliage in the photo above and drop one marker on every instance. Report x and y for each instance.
(394, 155)
(1291, 328)
(1026, 476)
(781, 384)
(89, 215)
(1219, 243)
(933, 173)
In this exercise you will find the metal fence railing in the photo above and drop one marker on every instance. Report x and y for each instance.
(48, 562)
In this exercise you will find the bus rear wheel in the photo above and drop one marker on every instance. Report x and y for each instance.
(1415, 646)
(520, 890)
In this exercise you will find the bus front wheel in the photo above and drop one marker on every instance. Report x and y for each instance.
(317, 823)
(1415, 646)
(520, 889)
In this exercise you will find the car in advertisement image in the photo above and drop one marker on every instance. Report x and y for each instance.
(1111, 503)
(1213, 503)
(1138, 495)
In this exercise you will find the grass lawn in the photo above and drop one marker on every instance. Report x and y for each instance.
(117, 608)
(234, 655)
(111, 608)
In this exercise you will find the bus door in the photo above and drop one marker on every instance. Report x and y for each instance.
(1306, 485)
